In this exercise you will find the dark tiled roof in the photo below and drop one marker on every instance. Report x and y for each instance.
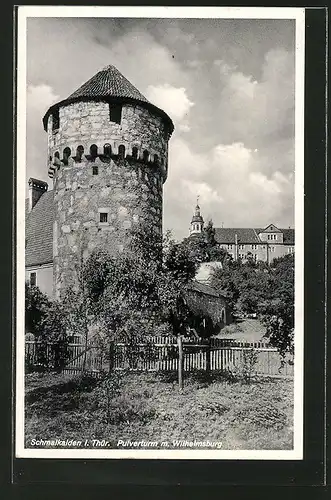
(227, 235)
(108, 83)
(39, 231)
(247, 235)
(288, 237)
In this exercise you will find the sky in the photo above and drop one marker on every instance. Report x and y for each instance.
(227, 84)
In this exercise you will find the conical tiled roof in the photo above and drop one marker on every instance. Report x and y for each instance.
(109, 83)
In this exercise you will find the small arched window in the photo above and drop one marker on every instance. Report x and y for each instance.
(121, 151)
(156, 159)
(57, 155)
(146, 155)
(94, 150)
(79, 153)
(135, 152)
(107, 150)
(66, 154)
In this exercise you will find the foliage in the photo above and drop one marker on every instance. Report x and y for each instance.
(277, 311)
(36, 309)
(264, 289)
(204, 247)
(142, 288)
(240, 416)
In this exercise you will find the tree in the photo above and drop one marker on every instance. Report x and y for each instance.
(277, 311)
(264, 289)
(36, 309)
(204, 247)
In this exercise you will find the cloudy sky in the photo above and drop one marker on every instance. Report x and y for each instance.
(228, 85)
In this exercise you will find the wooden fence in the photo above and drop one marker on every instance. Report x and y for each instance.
(162, 354)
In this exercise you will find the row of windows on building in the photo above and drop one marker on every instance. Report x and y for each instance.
(242, 247)
(290, 250)
(107, 152)
(255, 247)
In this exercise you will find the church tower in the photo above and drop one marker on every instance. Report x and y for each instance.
(197, 221)
(108, 158)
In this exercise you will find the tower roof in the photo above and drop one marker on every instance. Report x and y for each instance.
(197, 217)
(109, 84)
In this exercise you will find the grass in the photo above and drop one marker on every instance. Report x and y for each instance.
(149, 406)
(245, 330)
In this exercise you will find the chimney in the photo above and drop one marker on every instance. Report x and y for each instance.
(36, 189)
(236, 247)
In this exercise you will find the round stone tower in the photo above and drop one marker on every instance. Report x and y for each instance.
(108, 158)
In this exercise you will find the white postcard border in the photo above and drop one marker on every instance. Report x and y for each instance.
(298, 14)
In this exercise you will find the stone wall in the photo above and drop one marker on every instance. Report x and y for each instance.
(127, 187)
(87, 123)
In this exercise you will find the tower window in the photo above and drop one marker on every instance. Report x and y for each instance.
(103, 217)
(146, 155)
(56, 120)
(33, 279)
(95, 170)
(94, 150)
(115, 112)
(121, 151)
(135, 152)
(79, 153)
(66, 154)
(107, 150)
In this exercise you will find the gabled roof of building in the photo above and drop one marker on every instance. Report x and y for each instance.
(39, 231)
(249, 235)
(109, 84)
(228, 234)
(271, 228)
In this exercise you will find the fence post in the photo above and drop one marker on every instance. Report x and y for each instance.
(208, 351)
(111, 356)
(180, 361)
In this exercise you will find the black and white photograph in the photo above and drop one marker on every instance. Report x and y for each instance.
(160, 181)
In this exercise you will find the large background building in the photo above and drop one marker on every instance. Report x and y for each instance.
(262, 244)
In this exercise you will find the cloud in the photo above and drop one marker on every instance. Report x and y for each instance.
(228, 86)
(38, 99)
(231, 186)
(174, 101)
(254, 110)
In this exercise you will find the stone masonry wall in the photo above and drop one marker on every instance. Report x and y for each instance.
(128, 189)
(87, 123)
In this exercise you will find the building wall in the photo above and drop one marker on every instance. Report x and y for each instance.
(128, 189)
(87, 123)
(215, 307)
(261, 252)
(44, 278)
